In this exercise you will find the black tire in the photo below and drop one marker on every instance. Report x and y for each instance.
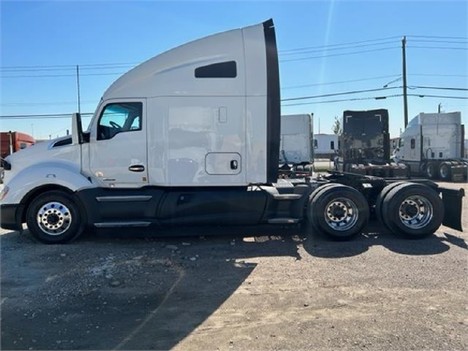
(312, 196)
(339, 211)
(431, 170)
(422, 169)
(445, 171)
(380, 199)
(413, 210)
(54, 217)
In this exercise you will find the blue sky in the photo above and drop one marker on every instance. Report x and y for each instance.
(42, 42)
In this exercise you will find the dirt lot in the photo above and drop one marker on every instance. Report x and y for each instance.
(294, 291)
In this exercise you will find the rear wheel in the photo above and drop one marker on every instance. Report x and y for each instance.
(413, 210)
(54, 218)
(445, 171)
(339, 211)
(381, 198)
(312, 196)
(431, 170)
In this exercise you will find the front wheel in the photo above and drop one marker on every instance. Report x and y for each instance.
(54, 217)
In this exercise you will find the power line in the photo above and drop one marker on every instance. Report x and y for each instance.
(307, 51)
(63, 75)
(335, 45)
(45, 116)
(440, 96)
(89, 114)
(68, 67)
(339, 82)
(43, 103)
(285, 99)
(337, 94)
(436, 88)
(436, 37)
(438, 75)
(294, 51)
(435, 47)
(439, 41)
(342, 54)
(343, 100)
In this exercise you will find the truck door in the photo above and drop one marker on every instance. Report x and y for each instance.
(117, 151)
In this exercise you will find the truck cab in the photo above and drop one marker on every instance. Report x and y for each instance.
(182, 134)
(432, 146)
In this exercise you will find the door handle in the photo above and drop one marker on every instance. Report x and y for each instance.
(136, 168)
(234, 164)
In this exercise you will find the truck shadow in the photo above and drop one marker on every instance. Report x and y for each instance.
(317, 245)
(146, 292)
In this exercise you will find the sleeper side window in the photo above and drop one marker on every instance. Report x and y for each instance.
(217, 70)
(119, 118)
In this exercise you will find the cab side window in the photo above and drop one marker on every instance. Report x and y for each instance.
(119, 118)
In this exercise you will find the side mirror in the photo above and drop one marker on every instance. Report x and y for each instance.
(77, 129)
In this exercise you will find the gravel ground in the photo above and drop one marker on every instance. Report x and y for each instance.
(263, 292)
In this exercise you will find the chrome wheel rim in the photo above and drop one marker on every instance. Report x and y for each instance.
(54, 218)
(416, 212)
(341, 214)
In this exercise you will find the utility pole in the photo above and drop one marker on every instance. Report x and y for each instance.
(78, 86)
(405, 94)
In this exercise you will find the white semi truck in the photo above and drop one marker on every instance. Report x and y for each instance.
(191, 137)
(432, 146)
(325, 146)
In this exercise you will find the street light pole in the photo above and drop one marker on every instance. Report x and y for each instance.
(405, 94)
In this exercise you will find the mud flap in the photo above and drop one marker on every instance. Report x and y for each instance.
(452, 200)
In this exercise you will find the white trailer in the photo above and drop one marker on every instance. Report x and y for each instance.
(191, 137)
(432, 145)
(296, 149)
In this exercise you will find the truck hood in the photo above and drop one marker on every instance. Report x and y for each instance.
(60, 148)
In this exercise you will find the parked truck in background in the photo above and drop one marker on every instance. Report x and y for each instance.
(191, 138)
(296, 149)
(365, 145)
(325, 146)
(14, 141)
(432, 145)
(11, 142)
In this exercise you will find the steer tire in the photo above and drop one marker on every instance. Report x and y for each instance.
(413, 210)
(54, 217)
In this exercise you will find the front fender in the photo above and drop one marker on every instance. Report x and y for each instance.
(56, 173)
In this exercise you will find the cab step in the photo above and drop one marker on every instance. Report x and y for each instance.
(283, 220)
(286, 197)
(127, 224)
